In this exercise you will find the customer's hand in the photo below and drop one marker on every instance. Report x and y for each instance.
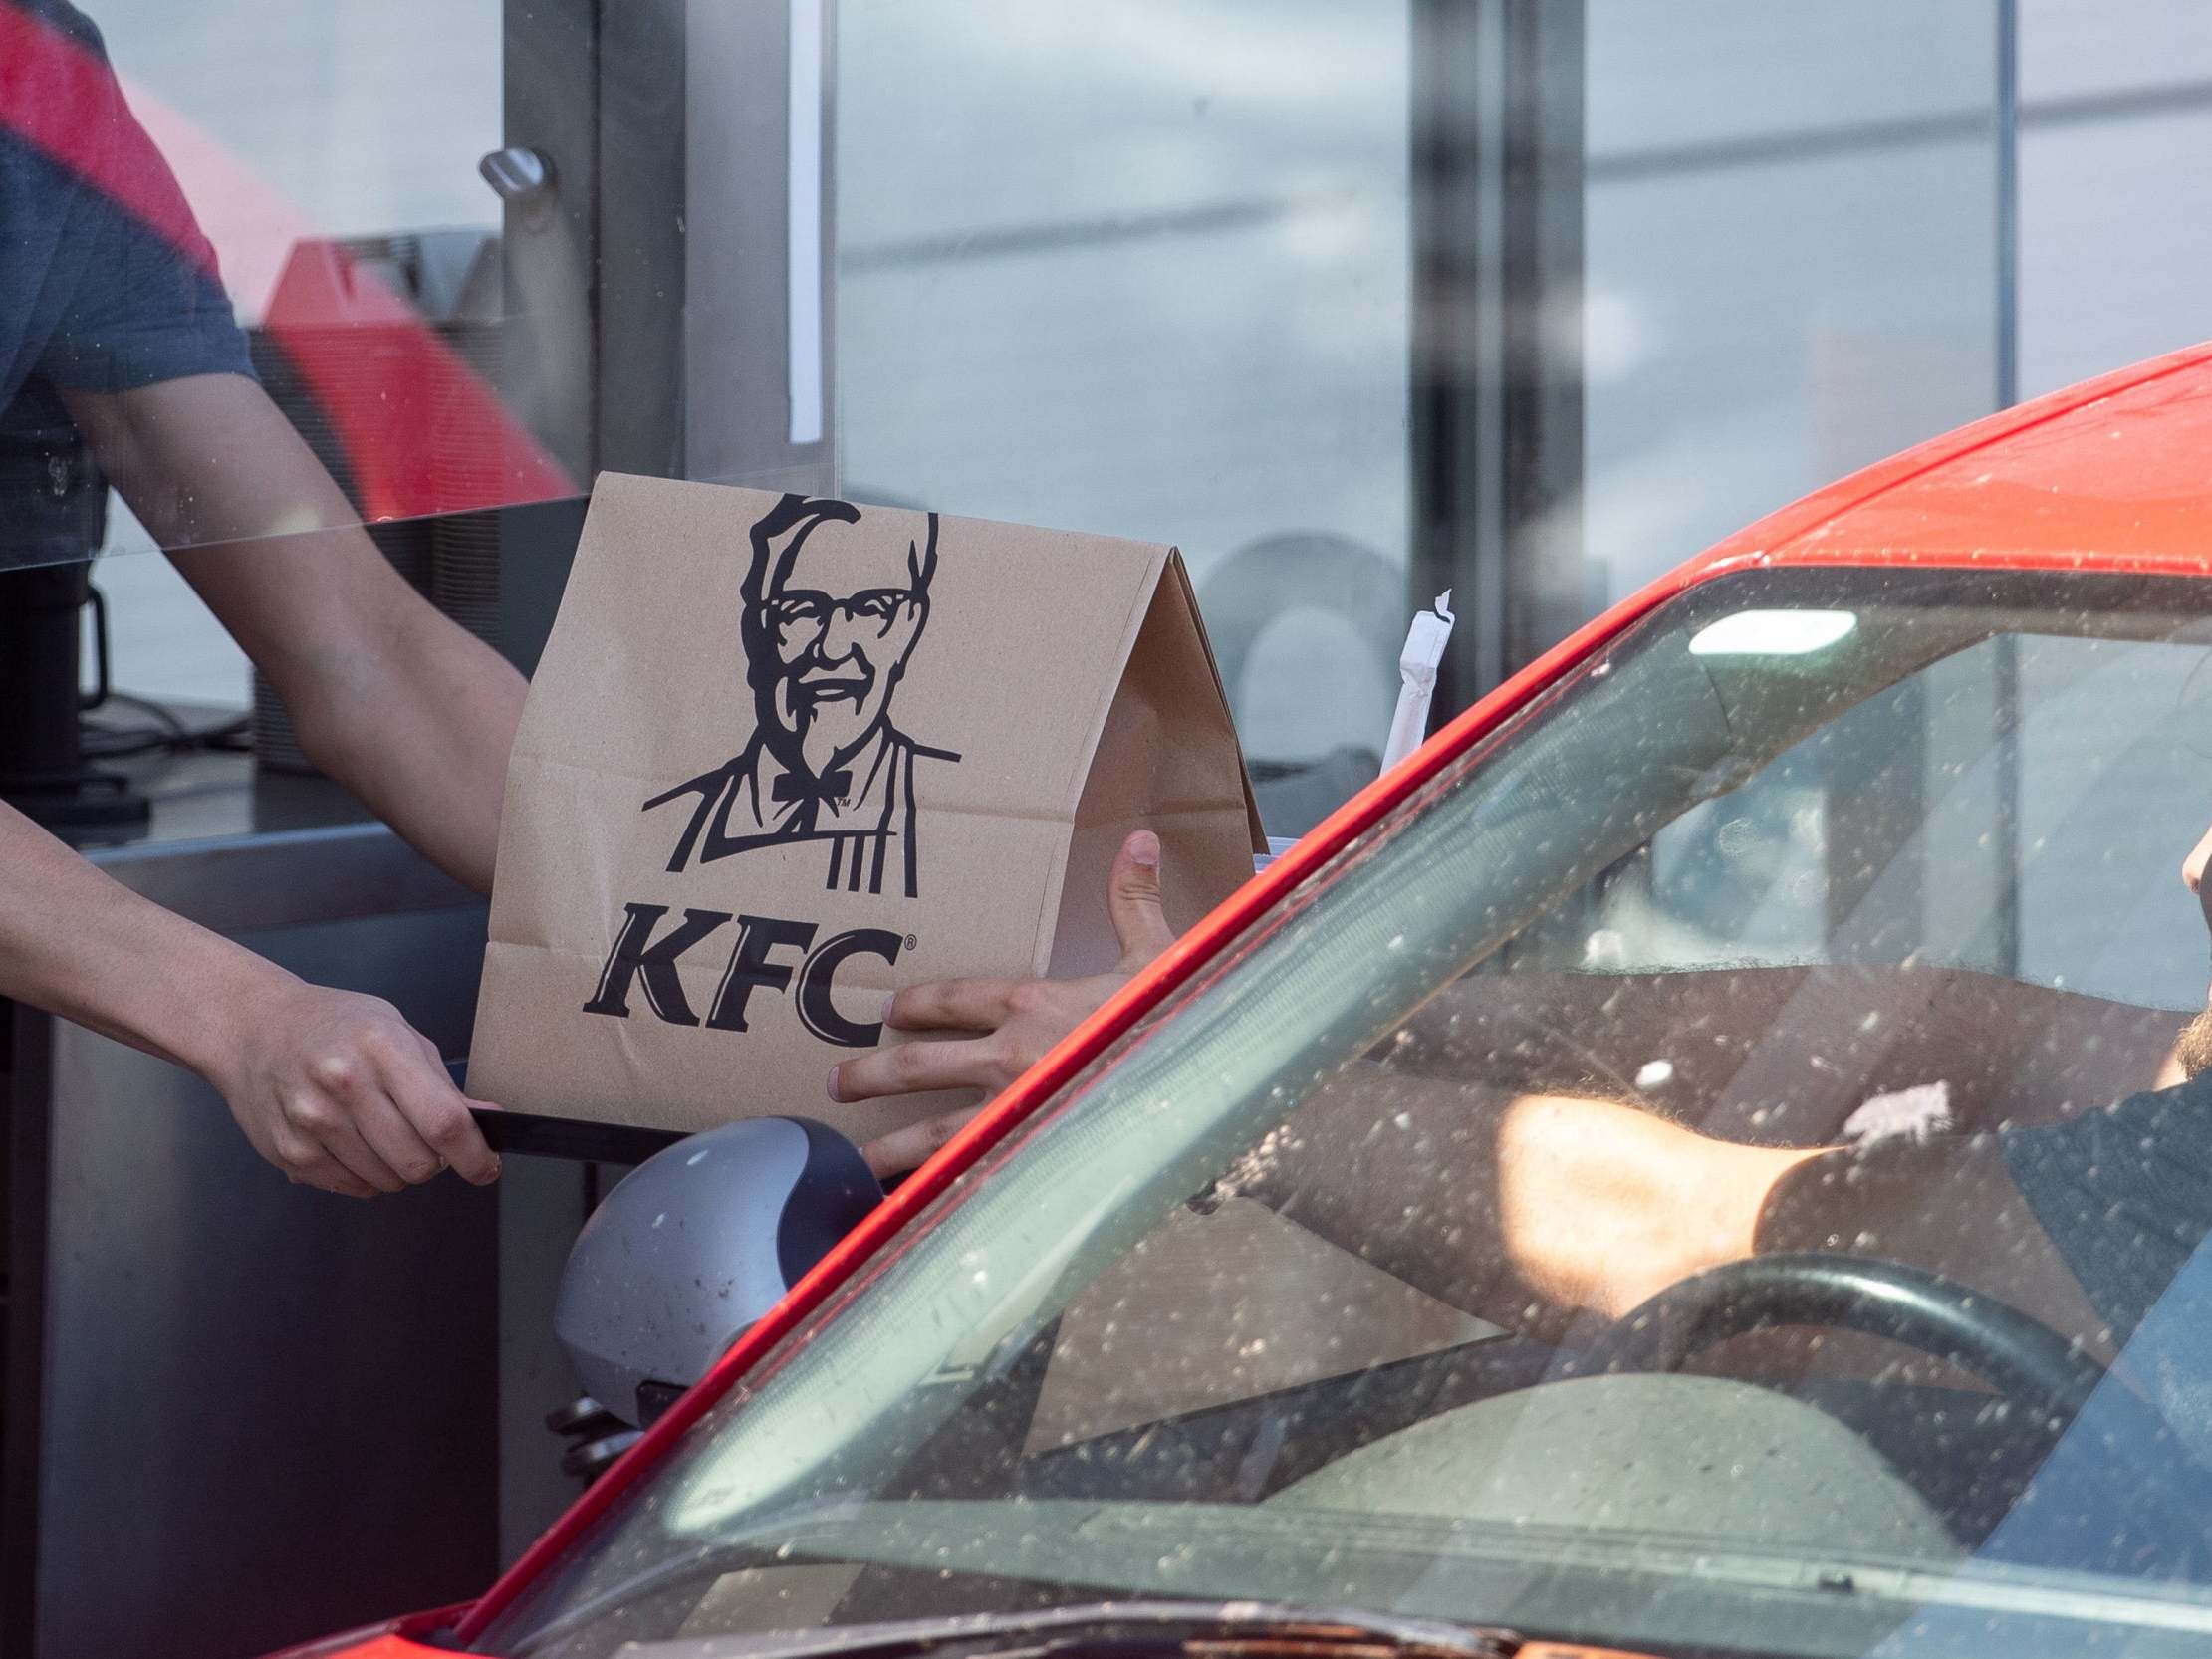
(341, 1092)
(1007, 1024)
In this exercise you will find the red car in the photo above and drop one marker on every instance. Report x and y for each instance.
(1342, 1284)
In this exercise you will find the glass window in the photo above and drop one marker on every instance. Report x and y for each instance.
(1792, 260)
(1144, 267)
(323, 185)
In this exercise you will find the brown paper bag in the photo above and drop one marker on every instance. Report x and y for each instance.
(785, 755)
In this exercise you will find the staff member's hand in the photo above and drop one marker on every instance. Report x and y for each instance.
(991, 1031)
(341, 1092)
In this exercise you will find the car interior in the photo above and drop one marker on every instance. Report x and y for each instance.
(1716, 973)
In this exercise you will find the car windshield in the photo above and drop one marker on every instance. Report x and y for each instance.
(1711, 1170)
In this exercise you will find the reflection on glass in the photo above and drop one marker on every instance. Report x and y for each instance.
(210, 340)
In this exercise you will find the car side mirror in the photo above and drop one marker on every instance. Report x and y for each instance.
(693, 1246)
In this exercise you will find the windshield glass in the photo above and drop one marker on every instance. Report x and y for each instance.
(1713, 1169)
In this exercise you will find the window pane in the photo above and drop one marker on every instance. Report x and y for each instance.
(1792, 259)
(1141, 267)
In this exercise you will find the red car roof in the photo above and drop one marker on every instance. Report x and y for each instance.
(2114, 473)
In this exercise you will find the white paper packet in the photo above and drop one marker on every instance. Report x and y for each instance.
(1424, 649)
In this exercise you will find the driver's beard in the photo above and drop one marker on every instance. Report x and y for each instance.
(2194, 1047)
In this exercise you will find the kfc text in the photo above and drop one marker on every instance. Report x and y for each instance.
(808, 970)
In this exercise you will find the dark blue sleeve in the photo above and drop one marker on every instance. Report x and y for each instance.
(2125, 1194)
(140, 311)
(113, 284)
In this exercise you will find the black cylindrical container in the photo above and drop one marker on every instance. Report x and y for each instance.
(53, 519)
(42, 620)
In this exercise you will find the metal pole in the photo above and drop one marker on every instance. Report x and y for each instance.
(2008, 203)
(1496, 377)
(2008, 826)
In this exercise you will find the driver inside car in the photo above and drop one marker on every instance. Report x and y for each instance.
(1534, 1210)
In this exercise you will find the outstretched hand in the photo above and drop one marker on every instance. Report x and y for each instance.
(1003, 1026)
(341, 1092)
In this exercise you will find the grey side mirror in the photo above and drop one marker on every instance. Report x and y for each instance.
(693, 1246)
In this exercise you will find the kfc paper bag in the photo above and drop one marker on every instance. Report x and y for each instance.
(785, 755)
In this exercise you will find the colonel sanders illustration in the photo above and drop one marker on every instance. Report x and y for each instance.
(833, 607)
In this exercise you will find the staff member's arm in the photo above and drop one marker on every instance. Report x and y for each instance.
(401, 706)
(404, 707)
(336, 1089)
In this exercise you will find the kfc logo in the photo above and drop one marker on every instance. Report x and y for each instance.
(638, 961)
(830, 617)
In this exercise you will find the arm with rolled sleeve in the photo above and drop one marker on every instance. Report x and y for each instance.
(110, 307)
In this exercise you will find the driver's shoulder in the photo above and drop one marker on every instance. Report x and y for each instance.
(2149, 1153)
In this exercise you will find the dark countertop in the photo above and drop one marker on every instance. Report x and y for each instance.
(234, 847)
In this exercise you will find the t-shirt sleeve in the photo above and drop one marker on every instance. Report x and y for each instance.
(144, 300)
(2125, 1194)
(141, 312)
